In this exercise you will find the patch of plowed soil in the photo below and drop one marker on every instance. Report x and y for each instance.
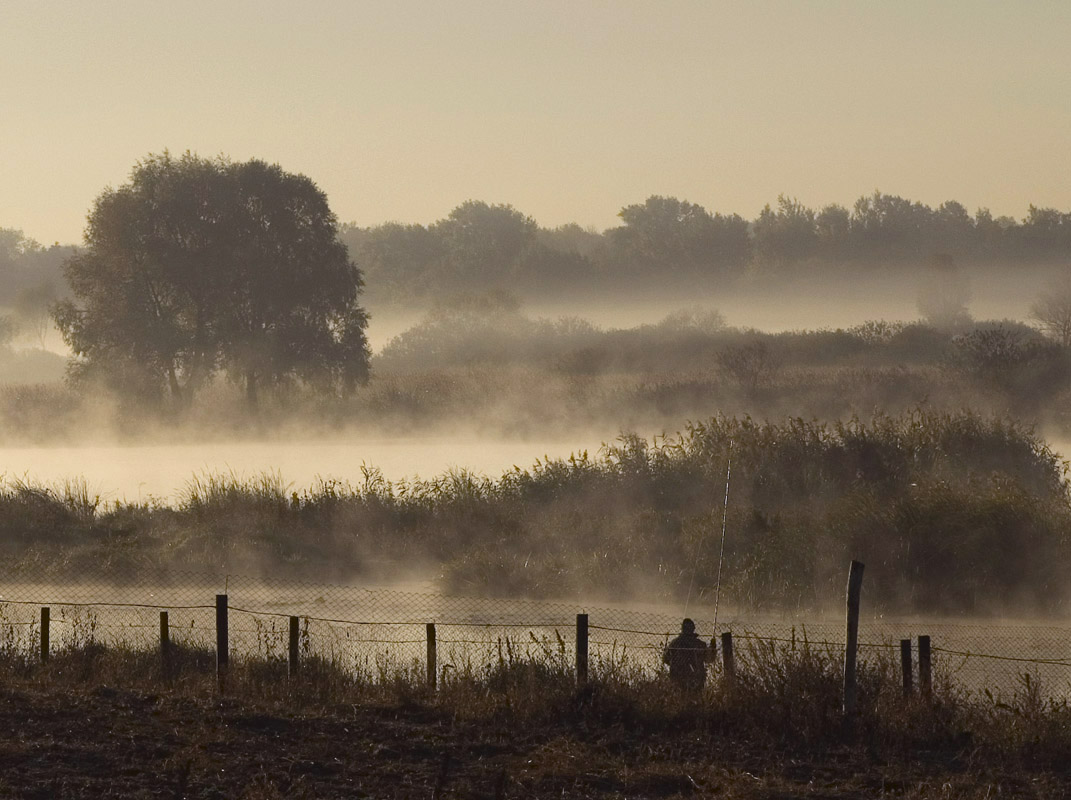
(114, 743)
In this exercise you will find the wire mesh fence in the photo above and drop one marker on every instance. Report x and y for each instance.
(377, 631)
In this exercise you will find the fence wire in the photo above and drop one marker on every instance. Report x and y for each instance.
(379, 630)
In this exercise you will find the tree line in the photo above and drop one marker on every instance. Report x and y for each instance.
(26, 264)
(198, 268)
(480, 245)
(31, 280)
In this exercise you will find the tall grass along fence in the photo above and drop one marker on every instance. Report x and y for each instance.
(381, 633)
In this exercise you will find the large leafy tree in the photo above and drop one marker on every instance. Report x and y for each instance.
(197, 265)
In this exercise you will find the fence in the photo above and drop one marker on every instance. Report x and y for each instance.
(376, 630)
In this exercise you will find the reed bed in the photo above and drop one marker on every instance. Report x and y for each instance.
(953, 512)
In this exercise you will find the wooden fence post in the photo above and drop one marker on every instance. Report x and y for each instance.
(925, 672)
(222, 654)
(45, 612)
(294, 655)
(905, 664)
(727, 655)
(432, 656)
(581, 648)
(165, 646)
(851, 638)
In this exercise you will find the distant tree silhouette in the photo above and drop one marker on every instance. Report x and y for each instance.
(399, 260)
(26, 266)
(786, 236)
(666, 236)
(483, 242)
(944, 294)
(1052, 309)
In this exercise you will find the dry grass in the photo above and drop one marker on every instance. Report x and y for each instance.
(515, 726)
(783, 697)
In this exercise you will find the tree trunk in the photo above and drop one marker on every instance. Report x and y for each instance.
(176, 389)
(251, 389)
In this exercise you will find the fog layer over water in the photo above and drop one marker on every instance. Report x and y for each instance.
(799, 304)
(162, 471)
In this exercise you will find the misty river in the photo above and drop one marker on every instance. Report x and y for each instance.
(163, 471)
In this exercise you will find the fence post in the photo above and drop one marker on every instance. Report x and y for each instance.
(925, 673)
(222, 654)
(165, 646)
(727, 655)
(433, 655)
(851, 638)
(294, 655)
(45, 612)
(905, 664)
(581, 648)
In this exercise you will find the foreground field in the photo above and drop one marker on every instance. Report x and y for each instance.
(96, 721)
(104, 742)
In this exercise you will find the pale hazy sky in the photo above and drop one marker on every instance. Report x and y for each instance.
(567, 110)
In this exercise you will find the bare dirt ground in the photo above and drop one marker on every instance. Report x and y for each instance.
(106, 742)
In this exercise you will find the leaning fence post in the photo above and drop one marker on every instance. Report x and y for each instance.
(905, 664)
(222, 655)
(293, 654)
(45, 612)
(165, 646)
(727, 655)
(581, 647)
(432, 655)
(925, 672)
(851, 638)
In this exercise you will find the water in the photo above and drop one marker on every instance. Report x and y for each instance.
(162, 471)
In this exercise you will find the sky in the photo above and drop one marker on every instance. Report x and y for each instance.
(569, 111)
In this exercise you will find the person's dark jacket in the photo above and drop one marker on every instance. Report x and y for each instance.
(687, 657)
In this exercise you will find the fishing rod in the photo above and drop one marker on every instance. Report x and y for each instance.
(721, 554)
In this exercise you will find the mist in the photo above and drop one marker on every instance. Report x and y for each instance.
(490, 400)
(162, 472)
(491, 361)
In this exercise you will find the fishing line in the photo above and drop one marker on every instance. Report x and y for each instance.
(702, 541)
(724, 514)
